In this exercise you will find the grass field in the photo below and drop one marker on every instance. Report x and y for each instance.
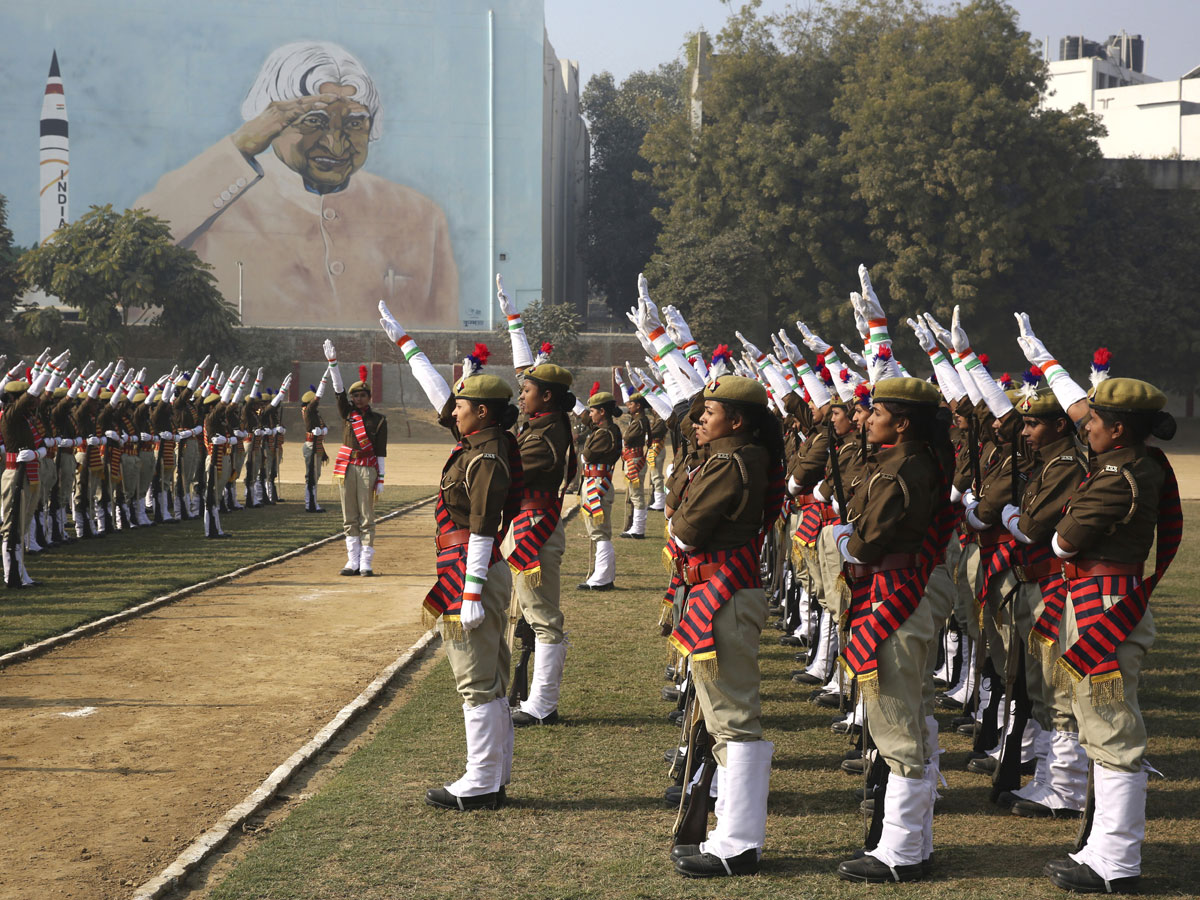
(94, 578)
(585, 817)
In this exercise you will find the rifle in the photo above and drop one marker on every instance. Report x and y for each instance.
(1007, 776)
(691, 822)
(1015, 460)
(973, 451)
(156, 485)
(519, 690)
(835, 469)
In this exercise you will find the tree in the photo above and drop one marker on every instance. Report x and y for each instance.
(620, 231)
(12, 282)
(106, 264)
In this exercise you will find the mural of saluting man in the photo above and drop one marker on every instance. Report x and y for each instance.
(320, 240)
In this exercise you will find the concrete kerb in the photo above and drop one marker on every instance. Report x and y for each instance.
(205, 845)
(58, 640)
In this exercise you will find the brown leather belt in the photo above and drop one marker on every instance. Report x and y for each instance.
(806, 499)
(1038, 571)
(1091, 568)
(885, 564)
(698, 573)
(544, 504)
(997, 534)
(452, 538)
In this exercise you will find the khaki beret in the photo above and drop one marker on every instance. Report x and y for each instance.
(600, 398)
(60, 391)
(914, 391)
(480, 387)
(211, 398)
(105, 394)
(359, 386)
(181, 381)
(1042, 405)
(549, 373)
(1127, 395)
(308, 396)
(16, 387)
(138, 397)
(736, 389)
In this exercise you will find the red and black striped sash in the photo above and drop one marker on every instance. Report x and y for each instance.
(1101, 630)
(531, 529)
(1054, 597)
(364, 456)
(635, 461)
(693, 636)
(994, 560)
(812, 517)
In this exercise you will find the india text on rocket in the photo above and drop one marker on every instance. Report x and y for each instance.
(54, 157)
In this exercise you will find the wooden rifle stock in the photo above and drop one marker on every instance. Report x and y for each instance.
(519, 689)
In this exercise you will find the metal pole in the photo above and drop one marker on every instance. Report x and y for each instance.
(491, 100)
(239, 264)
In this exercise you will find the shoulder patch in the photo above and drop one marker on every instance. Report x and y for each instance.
(1113, 469)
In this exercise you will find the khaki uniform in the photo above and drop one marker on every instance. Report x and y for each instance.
(658, 443)
(314, 445)
(357, 486)
(892, 512)
(722, 509)
(14, 485)
(188, 453)
(474, 489)
(545, 443)
(634, 434)
(602, 447)
(1108, 520)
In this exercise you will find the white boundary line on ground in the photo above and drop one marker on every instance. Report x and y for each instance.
(205, 845)
(33, 650)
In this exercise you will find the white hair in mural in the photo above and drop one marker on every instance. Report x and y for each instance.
(299, 69)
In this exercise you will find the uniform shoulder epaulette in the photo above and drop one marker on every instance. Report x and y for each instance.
(1112, 468)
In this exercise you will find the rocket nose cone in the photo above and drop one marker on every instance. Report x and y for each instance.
(54, 73)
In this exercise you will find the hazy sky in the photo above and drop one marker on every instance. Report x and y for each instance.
(625, 35)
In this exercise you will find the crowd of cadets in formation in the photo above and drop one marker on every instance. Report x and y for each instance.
(91, 451)
(954, 532)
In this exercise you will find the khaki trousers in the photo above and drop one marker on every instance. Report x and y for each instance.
(1051, 705)
(599, 531)
(147, 463)
(540, 605)
(308, 454)
(481, 659)
(1113, 734)
(189, 457)
(47, 479)
(656, 470)
(66, 477)
(730, 702)
(637, 489)
(896, 713)
(130, 468)
(357, 489)
(14, 489)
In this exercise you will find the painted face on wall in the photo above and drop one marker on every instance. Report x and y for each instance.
(326, 146)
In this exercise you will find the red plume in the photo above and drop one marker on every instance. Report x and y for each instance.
(820, 361)
(482, 353)
(547, 348)
(825, 376)
(1101, 358)
(983, 358)
(1035, 371)
(885, 353)
(595, 388)
(362, 374)
(1006, 379)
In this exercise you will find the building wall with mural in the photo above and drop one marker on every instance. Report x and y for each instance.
(321, 156)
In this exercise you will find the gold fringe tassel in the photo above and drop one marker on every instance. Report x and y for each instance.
(1107, 689)
(452, 629)
(664, 614)
(706, 669)
(1042, 648)
(668, 562)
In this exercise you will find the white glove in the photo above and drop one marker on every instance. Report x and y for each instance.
(811, 341)
(750, 348)
(997, 401)
(958, 335)
(969, 498)
(279, 429)
(94, 441)
(471, 614)
(841, 538)
(1010, 516)
(939, 332)
(393, 329)
(145, 436)
(218, 439)
(870, 303)
(258, 432)
(506, 305)
(860, 317)
(856, 358)
(26, 455)
(335, 374)
(677, 324)
(521, 354)
(166, 435)
(924, 335)
(1035, 351)
(112, 435)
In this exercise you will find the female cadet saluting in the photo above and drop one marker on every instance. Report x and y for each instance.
(899, 522)
(1104, 538)
(600, 453)
(481, 489)
(535, 545)
(730, 502)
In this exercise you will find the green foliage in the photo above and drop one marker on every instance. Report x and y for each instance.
(106, 264)
(40, 324)
(557, 323)
(620, 229)
(12, 282)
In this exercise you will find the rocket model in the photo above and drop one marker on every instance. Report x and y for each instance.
(54, 156)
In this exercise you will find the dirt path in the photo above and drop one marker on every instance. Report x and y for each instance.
(117, 750)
